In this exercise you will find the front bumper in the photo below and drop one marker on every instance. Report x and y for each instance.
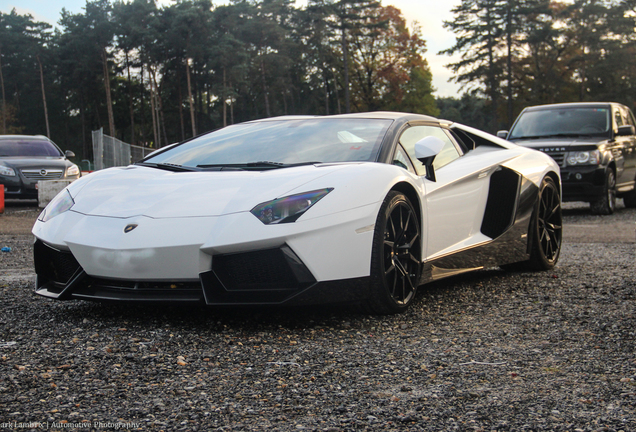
(262, 277)
(583, 183)
(231, 259)
(16, 188)
(20, 187)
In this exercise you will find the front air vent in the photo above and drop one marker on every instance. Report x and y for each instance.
(54, 265)
(502, 201)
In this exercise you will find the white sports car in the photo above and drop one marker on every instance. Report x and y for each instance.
(359, 208)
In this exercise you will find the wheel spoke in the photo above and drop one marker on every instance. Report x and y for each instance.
(400, 267)
(391, 228)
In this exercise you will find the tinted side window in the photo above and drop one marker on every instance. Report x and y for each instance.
(415, 133)
(618, 118)
(402, 160)
(628, 118)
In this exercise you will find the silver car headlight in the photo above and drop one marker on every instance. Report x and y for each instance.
(72, 171)
(6, 171)
(288, 209)
(589, 157)
(58, 205)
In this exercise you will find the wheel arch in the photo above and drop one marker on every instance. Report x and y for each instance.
(557, 180)
(409, 191)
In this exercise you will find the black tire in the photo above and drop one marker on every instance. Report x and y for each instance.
(396, 256)
(545, 232)
(607, 203)
(630, 199)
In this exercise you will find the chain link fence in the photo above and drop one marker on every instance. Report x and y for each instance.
(109, 152)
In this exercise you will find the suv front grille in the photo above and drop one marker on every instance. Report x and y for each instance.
(559, 157)
(42, 174)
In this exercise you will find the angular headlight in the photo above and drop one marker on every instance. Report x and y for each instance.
(288, 209)
(6, 171)
(591, 157)
(72, 171)
(58, 205)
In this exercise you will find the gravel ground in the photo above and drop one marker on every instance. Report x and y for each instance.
(488, 351)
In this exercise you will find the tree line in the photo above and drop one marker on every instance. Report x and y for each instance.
(517, 53)
(155, 75)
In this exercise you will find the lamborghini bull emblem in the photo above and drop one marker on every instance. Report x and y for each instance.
(130, 227)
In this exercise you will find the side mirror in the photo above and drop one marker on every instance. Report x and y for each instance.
(502, 134)
(426, 150)
(69, 154)
(625, 130)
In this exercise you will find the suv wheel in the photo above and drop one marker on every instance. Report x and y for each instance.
(607, 204)
(630, 199)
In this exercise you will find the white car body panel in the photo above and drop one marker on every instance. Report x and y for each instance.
(218, 221)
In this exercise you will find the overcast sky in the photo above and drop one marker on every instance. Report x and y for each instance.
(429, 13)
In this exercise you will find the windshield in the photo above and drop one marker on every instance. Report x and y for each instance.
(28, 147)
(587, 121)
(285, 141)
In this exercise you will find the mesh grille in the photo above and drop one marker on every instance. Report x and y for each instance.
(145, 285)
(559, 157)
(54, 265)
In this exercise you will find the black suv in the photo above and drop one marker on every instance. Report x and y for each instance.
(593, 143)
(26, 159)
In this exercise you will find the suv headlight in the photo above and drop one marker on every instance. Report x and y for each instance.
(288, 209)
(589, 157)
(6, 171)
(58, 205)
(72, 171)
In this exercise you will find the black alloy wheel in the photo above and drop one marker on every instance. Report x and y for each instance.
(607, 203)
(549, 223)
(545, 232)
(396, 256)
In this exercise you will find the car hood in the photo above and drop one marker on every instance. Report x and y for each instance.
(560, 144)
(142, 191)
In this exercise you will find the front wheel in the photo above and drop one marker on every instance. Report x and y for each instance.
(396, 256)
(607, 203)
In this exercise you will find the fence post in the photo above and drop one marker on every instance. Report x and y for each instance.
(98, 149)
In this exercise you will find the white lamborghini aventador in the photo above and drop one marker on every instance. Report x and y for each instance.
(359, 208)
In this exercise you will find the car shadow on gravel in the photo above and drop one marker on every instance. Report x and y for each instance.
(256, 317)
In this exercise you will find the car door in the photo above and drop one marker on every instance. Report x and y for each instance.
(455, 202)
(617, 145)
(629, 149)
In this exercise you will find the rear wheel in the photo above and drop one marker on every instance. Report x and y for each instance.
(396, 256)
(607, 203)
(545, 230)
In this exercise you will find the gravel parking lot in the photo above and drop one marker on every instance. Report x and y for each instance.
(488, 351)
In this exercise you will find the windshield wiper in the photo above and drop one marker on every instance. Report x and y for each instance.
(167, 166)
(257, 165)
